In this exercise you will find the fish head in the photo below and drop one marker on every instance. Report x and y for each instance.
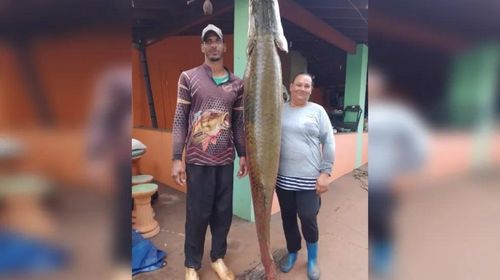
(265, 19)
(213, 121)
(262, 13)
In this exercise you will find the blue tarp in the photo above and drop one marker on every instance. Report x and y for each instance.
(145, 256)
(21, 254)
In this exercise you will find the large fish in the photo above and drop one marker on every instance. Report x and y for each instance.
(263, 101)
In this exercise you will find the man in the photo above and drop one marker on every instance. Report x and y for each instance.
(209, 125)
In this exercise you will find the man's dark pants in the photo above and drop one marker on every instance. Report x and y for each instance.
(209, 202)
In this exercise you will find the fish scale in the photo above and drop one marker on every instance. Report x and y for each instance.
(263, 101)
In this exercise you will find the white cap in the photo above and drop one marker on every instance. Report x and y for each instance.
(212, 28)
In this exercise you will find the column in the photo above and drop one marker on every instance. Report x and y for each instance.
(355, 90)
(471, 96)
(242, 196)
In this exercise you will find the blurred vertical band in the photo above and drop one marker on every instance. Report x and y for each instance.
(65, 105)
(440, 61)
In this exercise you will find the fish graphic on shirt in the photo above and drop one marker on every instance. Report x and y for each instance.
(207, 126)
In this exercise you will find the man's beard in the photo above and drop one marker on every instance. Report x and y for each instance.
(215, 59)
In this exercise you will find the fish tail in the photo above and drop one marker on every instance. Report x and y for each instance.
(263, 222)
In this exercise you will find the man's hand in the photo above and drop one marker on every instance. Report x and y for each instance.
(179, 172)
(243, 171)
(322, 183)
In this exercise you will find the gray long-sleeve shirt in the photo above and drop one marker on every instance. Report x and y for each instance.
(398, 143)
(307, 142)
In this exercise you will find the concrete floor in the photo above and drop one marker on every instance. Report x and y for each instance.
(449, 229)
(343, 223)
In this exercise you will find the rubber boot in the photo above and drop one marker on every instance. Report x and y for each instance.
(288, 262)
(381, 259)
(312, 261)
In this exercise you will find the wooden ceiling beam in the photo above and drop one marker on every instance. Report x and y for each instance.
(351, 27)
(414, 33)
(194, 22)
(306, 20)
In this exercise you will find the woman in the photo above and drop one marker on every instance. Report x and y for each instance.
(307, 151)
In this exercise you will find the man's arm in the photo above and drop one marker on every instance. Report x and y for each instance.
(180, 128)
(238, 127)
(109, 128)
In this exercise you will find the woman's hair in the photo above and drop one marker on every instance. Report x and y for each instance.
(304, 73)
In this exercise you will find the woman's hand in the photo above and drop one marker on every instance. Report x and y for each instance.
(322, 183)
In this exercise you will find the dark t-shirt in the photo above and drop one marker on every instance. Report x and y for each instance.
(208, 119)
